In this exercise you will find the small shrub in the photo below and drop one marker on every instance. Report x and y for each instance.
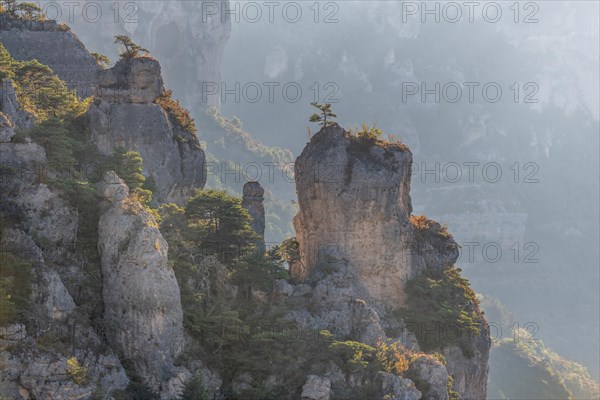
(442, 299)
(15, 288)
(77, 372)
(392, 357)
(177, 114)
(424, 225)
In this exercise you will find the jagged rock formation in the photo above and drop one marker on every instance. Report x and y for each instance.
(143, 314)
(252, 200)
(124, 114)
(39, 228)
(136, 81)
(53, 45)
(359, 248)
(199, 34)
(35, 356)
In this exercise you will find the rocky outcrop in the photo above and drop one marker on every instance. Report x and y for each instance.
(354, 201)
(360, 245)
(316, 388)
(12, 116)
(35, 357)
(53, 45)
(7, 130)
(200, 31)
(137, 81)
(124, 114)
(470, 373)
(252, 201)
(143, 314)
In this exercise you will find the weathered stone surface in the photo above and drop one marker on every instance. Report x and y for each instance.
(470, 374)
(143, 315)
(316, 388)
(188, 39)
(282, 287)
(131, 80)
(113, 188)
(360, 247)
(124, 115)
(40, 371)
(13, 117)
(252, 200)
(7, 130)
(49, 219)
(355, 203)
(59, 49)
(335, 302)
(396, 388)
(433, 372)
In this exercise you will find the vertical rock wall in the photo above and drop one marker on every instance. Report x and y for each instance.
(252, 201)
(355, 204)
(143, 314)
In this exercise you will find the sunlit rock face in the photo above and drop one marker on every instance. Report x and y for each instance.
(355, 203)
(142, 307)
(124, 115)
(360, 244)
(131, 80)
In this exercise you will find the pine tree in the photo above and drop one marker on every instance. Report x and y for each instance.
(132, 49)
(128, 165)
(325, 113)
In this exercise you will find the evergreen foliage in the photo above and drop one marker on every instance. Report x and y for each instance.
(442, 301)
(324, 113)
(132, 49)
(39, 91)
(15, 287)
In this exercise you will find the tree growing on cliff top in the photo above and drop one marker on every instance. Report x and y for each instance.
(325, 112)
(132, 49)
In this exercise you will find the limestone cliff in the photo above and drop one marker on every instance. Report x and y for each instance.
(188, 38)
(53, 45)
(143, 315)
(125, 114)
(38, 233)
(360, 245)
(354, 203)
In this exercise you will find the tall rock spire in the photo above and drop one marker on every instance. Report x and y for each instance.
(253, 202)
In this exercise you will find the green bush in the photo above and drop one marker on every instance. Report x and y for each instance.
(39, 91)
(438, 300)
(128, 166)
(15, 288)
(53, 135)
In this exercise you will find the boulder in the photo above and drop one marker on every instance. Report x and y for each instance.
(316, 388)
